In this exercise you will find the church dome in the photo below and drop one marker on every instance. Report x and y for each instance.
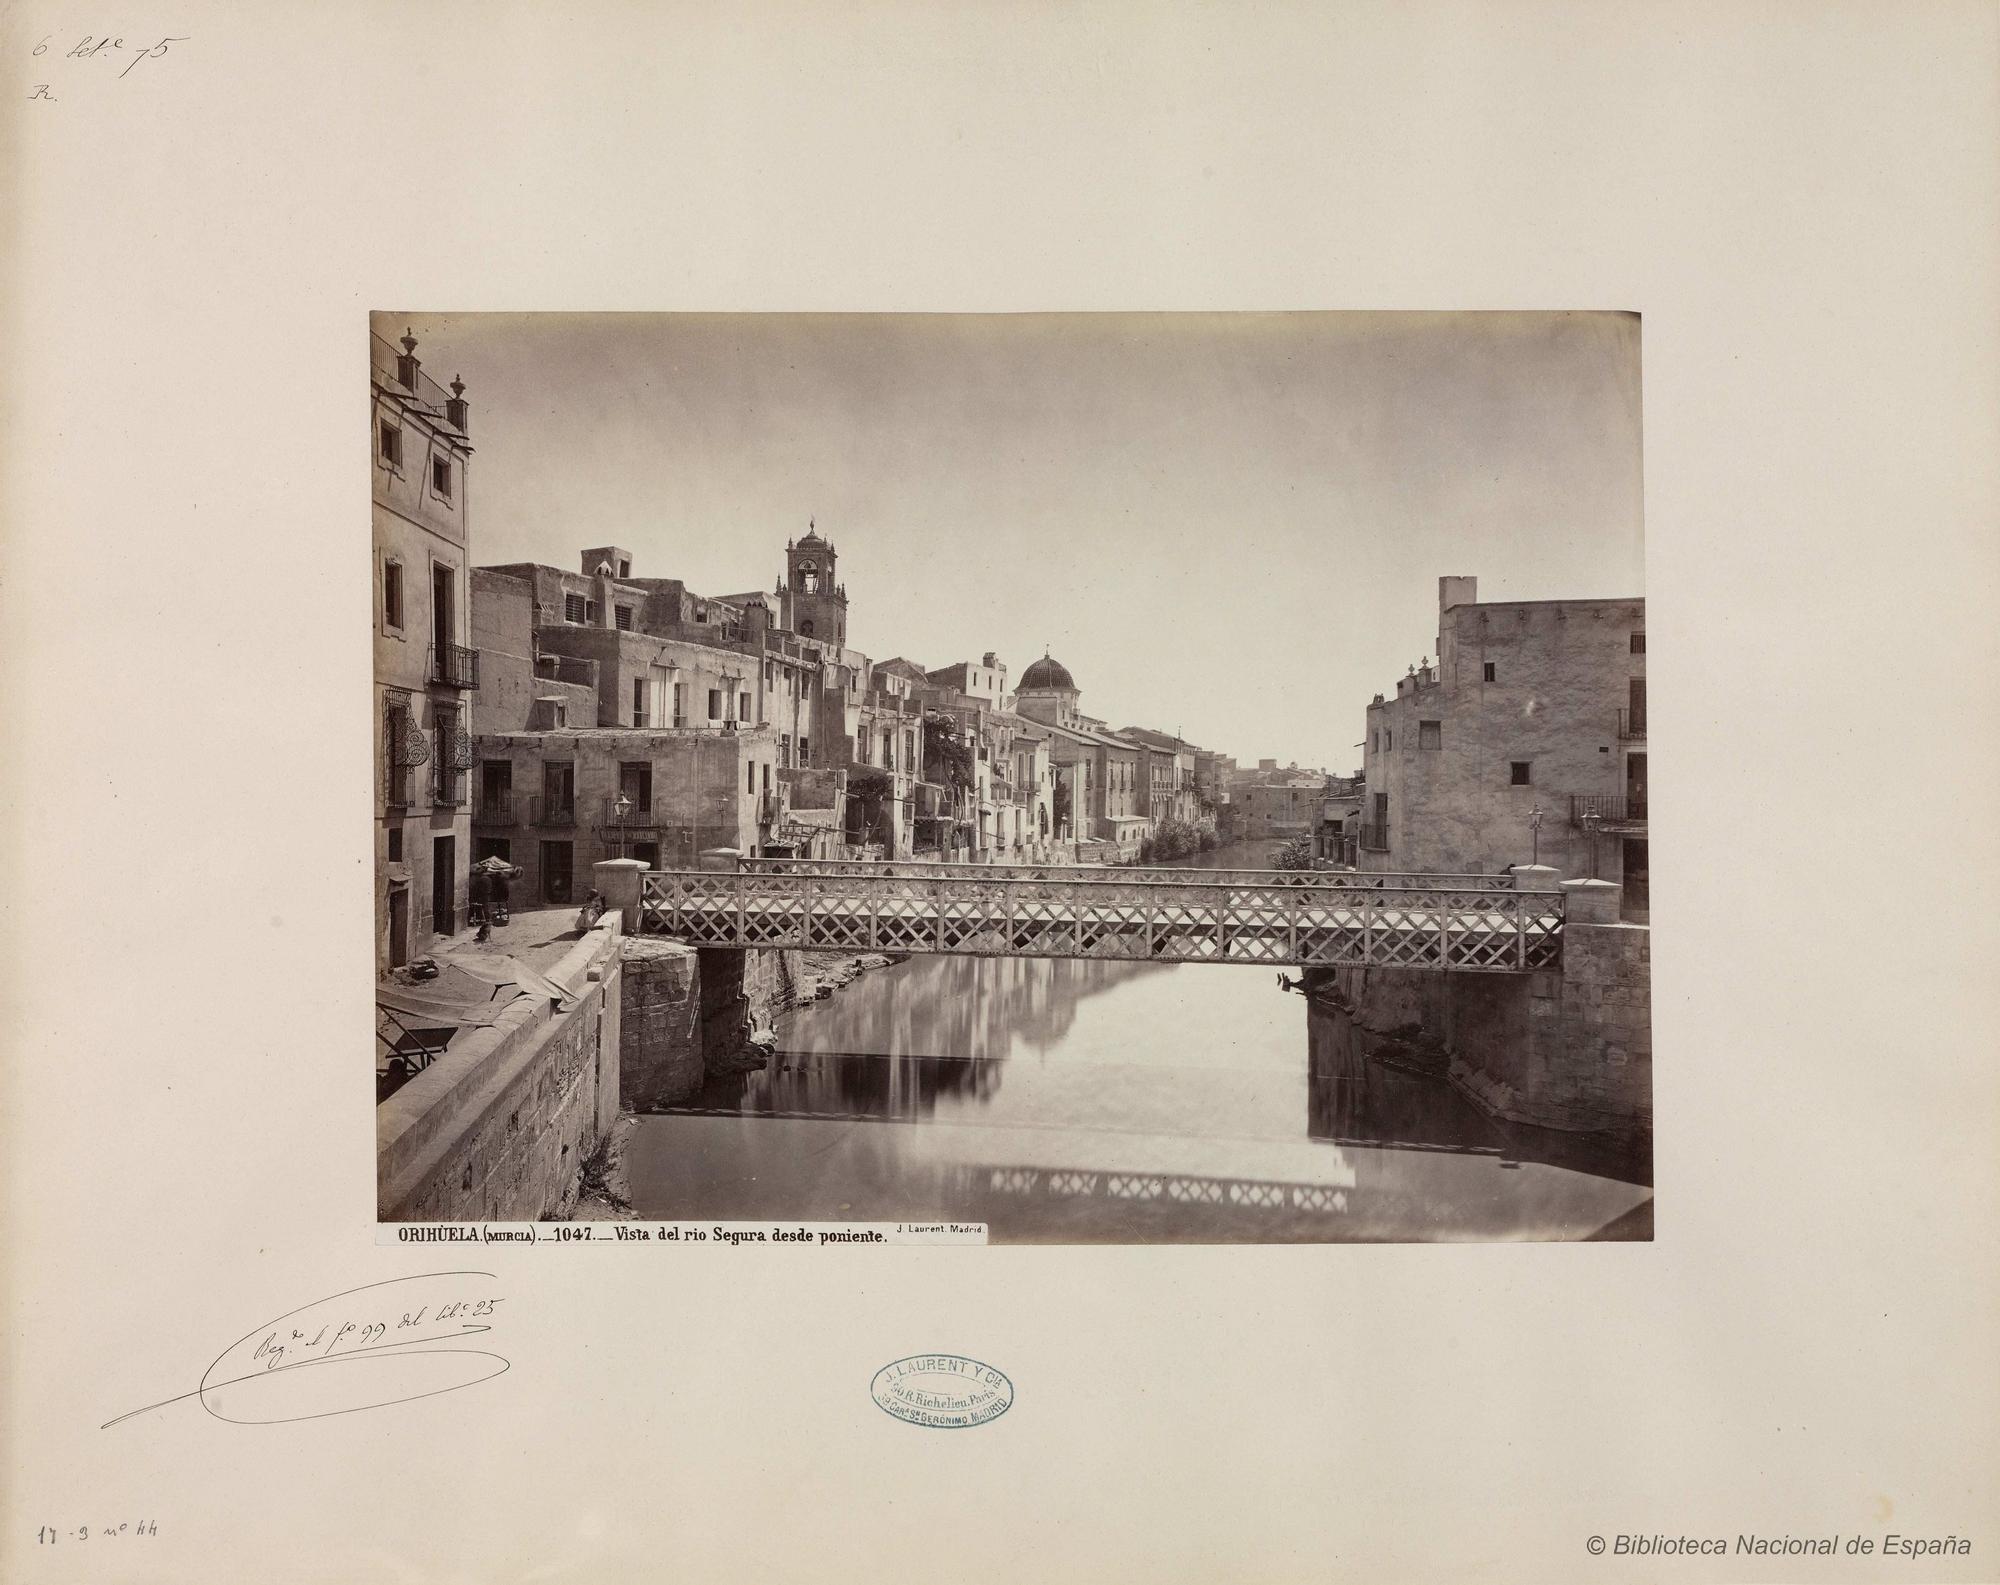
(1047, 673)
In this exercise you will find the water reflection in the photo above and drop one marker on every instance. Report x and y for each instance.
(943, 1035)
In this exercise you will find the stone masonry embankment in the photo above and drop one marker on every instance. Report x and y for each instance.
(1570, 1050)
(498, 1128)
(690, 1012)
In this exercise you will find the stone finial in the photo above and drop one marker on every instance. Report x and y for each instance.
(457, 387)
(409, 343)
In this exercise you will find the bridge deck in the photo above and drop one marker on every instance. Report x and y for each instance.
(1197, 916)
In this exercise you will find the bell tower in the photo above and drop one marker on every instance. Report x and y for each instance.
(815, 602)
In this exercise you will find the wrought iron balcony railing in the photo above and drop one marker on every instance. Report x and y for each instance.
(547, 811)
(1606, 809)
(448, 786)
(493, 808)
(1374, 838)
(636, 817)
(455, 666)
(1631, 726)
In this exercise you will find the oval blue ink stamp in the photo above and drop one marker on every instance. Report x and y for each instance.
(944, 1391)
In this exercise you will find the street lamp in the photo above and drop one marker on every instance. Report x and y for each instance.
(624, 807)
(1535, 825)
(1591, 817)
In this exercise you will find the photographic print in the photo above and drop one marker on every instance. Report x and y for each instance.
(1099, 778)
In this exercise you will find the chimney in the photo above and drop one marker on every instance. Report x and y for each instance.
(1457, 591)
(990, 661)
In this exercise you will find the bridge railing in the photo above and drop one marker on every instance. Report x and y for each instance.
(1191, 918)
(1117, 874)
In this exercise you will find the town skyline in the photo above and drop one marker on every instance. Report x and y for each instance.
(996, 463)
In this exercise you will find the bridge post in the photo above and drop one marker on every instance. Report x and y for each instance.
(1591, 902)
(1536, 877)
(618, 883)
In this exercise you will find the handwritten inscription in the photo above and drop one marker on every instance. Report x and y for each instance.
(106, 51)
(366, 1348)
(49, 1535)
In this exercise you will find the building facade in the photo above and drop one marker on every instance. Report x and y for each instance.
(1097, 773)
(426, 667)
(1526, 740)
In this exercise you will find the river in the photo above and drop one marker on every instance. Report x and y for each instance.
(1072, 1101)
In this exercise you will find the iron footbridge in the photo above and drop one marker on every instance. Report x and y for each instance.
(1476, 923)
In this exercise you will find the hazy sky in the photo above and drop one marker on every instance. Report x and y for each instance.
(1230, 524)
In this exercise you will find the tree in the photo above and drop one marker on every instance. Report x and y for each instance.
(867, 798)
(947, 756)
(1296, 854)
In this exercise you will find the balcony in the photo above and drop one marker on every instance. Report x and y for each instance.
(637, 816)
(547, 811)
(493, 808)
(1374, 839)
(1607, 812)
(455, 666)
(1631, 726)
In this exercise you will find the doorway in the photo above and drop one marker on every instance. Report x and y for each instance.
(647, 853)
(556, 871)
(443, 628)
(1635, 786)
(444, 867)
(1638, 900)
(399, 926)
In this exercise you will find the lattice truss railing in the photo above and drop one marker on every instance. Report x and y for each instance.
(1182, 921)
(931, 869)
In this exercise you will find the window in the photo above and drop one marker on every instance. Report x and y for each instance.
(750, 778)
(1638, 643)
(559, 785)
(395, 844)
(680, 704)
(1517, 773)
(441, 476)
(621, 617)
(392, 593)
(392, 444)
(743, 707)
(639, 714)
(575, 609)
(715, 704)
(767, 778)
(701, 613)
(806, 628)
(784, 748)
(1430, 734)
(1486, 672)
(635, 784)
(624, 567)
(1388, 738)
(805, 752)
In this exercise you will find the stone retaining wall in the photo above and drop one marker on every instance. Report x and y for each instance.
(1570, 1050)
(498, 1128)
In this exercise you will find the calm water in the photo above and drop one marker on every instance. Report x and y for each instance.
(1127, 1102)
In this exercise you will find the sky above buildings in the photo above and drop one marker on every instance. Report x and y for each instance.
(1227, 524)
